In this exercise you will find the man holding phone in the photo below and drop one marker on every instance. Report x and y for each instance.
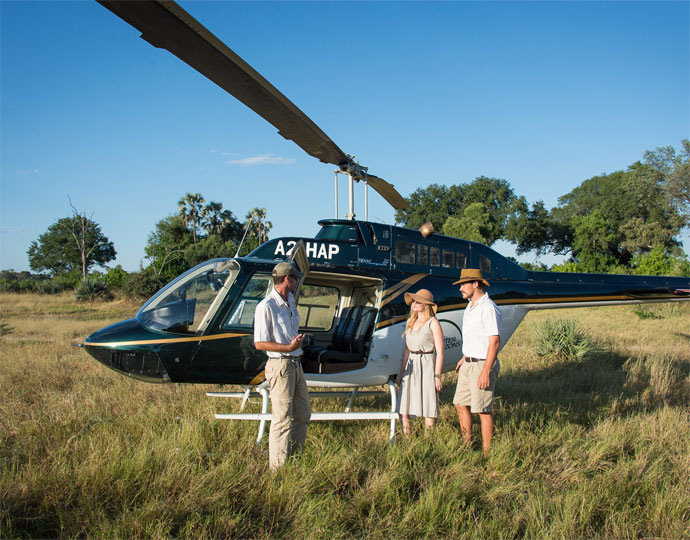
(276, 331)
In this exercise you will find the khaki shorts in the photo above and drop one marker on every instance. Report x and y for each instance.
(468, 393)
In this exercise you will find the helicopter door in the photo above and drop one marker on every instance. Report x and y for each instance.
(298, 256)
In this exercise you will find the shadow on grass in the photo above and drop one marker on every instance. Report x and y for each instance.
(584, 392)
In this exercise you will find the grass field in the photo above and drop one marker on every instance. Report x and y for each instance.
(597, 449)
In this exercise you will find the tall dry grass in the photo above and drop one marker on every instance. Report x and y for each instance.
(598, 448)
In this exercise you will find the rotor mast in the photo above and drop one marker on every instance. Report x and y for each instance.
(355, 173)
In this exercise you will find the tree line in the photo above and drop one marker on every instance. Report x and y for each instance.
(624, 222)
(66, 253)
(628, 221)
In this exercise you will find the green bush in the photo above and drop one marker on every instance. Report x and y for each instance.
(563, 339)
(49, 286)
(646, 312)
(92, 289)
(116, 277)
(68, 281)
(142, 284)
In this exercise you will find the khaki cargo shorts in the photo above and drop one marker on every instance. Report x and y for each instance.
(468, 393)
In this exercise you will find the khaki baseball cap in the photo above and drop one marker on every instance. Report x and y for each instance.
(286, 269)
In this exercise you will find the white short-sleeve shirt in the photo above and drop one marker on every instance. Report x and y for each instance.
(278, 321)
(481, 320)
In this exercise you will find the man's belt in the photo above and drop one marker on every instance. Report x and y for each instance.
(470, 359)
(288, 357)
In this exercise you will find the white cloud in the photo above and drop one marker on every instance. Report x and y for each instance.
(265, 159)
(5, 229)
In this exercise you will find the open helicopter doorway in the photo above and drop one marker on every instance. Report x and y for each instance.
(338, 313)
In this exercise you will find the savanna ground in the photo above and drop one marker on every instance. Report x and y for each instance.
(598, 448)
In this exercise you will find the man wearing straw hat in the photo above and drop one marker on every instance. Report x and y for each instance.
(478, 368)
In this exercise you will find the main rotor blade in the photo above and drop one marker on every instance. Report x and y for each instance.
(387, 191)
(166, 25)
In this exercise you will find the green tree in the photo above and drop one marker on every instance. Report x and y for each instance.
(191, 208)
(211, 247)
(71, 244)
(530, 230)
(258, 225)
(437, 203)
(166, 246)
(660, 263)
(627, 212)
(673, 173)
(475, 224)
(215, 220)
(594, 240)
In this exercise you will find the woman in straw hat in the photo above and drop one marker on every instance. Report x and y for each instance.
(422, 362)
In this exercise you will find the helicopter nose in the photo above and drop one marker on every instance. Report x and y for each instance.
(145, 366)
(116, 347)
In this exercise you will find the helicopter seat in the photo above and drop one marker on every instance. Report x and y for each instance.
(349, 345)
(356, 341)
(311, 353)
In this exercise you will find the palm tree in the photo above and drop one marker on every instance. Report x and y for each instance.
(191, 207)
(212, 217)
(256, 222)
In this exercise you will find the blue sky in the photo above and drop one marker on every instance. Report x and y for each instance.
(541, 94)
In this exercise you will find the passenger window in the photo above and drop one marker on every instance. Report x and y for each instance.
(257, 289)
(404, 252)
(422, 255)
(316, 307)
(435, 254)
(484, 264)
(461, 259)
(447, 259)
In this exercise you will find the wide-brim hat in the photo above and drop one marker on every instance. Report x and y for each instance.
(471, 274)
(423, 296)
(286, 269)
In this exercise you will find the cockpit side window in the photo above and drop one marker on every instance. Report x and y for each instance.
(242, 316)
(187, 304)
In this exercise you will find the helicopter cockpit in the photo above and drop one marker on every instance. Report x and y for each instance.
(186, 304)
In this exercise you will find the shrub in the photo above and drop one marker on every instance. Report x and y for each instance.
(5, 329)
(645, 312)
(563, 339)
(116, 277)
(50, 286)
(92, 289)
(142, 284)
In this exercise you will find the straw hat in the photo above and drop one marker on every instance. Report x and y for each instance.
(422, 296)
(471, 274)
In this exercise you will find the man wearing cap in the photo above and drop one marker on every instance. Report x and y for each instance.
(276, 331)
(478, 368)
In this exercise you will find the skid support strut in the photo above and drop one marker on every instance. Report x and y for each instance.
(264, 416)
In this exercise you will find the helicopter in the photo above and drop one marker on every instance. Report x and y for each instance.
(199, 327)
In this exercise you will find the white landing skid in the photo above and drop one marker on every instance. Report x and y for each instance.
(265, 416)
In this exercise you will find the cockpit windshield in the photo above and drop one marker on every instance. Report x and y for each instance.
(186, 304)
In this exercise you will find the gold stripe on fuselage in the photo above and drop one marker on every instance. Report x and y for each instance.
(400, 288)
(554, 300)
(161, 341)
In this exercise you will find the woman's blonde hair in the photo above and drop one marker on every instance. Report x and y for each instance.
(428, 309)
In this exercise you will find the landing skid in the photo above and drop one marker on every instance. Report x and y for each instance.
(264, 416)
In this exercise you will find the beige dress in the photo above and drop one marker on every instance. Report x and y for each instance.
(418, 395)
